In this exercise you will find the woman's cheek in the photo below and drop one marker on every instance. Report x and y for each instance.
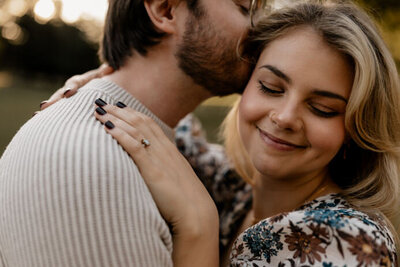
(327, 137)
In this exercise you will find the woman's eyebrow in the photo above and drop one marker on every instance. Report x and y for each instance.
(278, 73)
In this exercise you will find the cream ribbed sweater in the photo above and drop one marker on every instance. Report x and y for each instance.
(71, 196)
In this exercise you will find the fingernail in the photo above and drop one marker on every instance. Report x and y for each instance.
(109, 125)
(120, 105)
(42, 103)
(100, 102)
(35, 113)
(67, 91)
(101, 111)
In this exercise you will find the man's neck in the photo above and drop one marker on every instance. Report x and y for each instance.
(158, 83)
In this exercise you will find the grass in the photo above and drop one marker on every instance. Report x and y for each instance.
(18, 102)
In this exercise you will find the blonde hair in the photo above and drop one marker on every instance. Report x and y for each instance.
(369, 176)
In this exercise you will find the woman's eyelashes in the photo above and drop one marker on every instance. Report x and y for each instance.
(317, 109)
(268, 90)
(322, 113)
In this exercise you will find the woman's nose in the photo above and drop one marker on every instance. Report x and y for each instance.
(287, 117)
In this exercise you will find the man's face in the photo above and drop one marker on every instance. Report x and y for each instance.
(208, 50)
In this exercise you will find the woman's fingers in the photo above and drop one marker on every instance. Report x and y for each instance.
(142, 129)
(140, 144)
(127, 136)
(73, 84)
(59, 94)
(131, 144)
(114, 122)
(134, 118)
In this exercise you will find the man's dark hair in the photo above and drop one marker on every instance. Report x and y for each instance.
(128, 27)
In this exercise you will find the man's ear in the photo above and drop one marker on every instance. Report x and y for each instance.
(162, 14)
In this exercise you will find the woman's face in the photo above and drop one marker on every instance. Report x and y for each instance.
(291, 115)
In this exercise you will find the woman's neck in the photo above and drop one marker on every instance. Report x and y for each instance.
(272, 196)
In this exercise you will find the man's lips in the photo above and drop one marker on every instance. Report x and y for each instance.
(279, 141)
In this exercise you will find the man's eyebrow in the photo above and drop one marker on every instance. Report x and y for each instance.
(329, 94)
(278, 73)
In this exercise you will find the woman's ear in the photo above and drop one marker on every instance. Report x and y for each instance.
(162, 14)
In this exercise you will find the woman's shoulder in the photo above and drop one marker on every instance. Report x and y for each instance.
(334, 211)
(327, 232)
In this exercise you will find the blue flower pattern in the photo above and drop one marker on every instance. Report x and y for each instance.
(263, 241)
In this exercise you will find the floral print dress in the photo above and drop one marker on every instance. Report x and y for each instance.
(325, 232)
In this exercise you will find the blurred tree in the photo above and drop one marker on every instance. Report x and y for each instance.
(53, 48)
(30, 43)
(387, 13)
(381, 5)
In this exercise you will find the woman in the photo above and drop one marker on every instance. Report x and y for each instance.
(315, 135)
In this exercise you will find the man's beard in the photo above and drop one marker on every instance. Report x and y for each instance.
(210, 59)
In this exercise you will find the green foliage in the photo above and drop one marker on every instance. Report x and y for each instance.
(387, 14)
(381, 5)
(18, 102)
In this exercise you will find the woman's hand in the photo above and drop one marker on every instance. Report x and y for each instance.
(180, 196)
(73, 84)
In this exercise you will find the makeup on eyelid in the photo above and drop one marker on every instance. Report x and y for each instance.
(324, 106)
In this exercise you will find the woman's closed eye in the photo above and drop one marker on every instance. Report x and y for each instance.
(269, 90)
(318, 109)
(323, 111)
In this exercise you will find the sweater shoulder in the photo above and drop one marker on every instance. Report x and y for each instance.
(67, 132)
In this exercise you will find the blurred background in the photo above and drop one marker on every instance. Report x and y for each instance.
(43, 42)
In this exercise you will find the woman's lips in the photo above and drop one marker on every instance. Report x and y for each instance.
(278, 143)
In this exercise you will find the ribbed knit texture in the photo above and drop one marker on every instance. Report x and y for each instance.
(71, 196)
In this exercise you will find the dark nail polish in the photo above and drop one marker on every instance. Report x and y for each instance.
(66, 91)
(109, 125)
(101, 111)
(120, 105)
(100, 102)
(42, 103)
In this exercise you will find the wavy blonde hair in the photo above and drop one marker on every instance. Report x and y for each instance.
(369, 176)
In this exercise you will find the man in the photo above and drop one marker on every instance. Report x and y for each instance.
(69, 194)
